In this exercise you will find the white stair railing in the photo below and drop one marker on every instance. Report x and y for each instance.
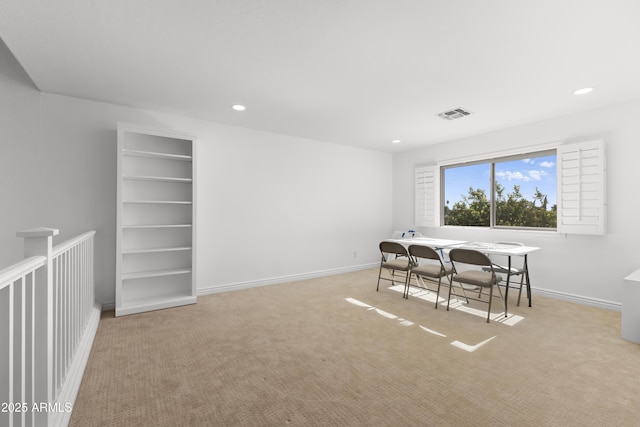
(48, 317)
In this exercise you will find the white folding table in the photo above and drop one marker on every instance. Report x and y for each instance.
(508, 251)
(487, 248)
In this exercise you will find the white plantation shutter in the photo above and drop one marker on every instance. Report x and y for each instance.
(426, 198)
(581, 188)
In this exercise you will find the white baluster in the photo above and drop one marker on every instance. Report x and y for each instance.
(38, 242)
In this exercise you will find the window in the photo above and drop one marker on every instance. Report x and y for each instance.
(518, 191)
(523, 196)
(525, 193)
(467, 195)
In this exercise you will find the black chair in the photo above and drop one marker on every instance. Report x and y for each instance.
(394, 258)
(486, 278)
(426, 263)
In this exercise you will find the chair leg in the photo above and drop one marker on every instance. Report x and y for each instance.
(438, 291)
(464, 293)
(450, 286)
(490, 299)
(379, 275)
(504, 299)
(406, 286)
(520, 292)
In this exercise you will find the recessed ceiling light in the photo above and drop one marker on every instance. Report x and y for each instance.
(583, 91)
(395, 141)
(238, 107)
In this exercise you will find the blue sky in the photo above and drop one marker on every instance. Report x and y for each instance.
(529, 173)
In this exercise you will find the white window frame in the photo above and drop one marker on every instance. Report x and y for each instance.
(581, 191)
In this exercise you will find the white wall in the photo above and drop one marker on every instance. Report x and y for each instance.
(587, 269)
(301, 208)
(19, 106)
(297, 207)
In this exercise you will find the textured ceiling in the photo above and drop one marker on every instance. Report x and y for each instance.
(357, 72)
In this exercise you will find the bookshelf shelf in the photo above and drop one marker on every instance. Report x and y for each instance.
(155, 264)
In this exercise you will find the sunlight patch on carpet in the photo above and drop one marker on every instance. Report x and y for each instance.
(384, 313)
(431, 331)
(458, 344)
(403, 322)
(460, 305)
(359, 303)
(470, 348)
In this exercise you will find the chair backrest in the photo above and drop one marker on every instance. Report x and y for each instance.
(469, 256)
(393, 248)
(421, 251)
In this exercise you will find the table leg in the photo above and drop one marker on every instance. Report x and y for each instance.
(526, 272)
(506, 291)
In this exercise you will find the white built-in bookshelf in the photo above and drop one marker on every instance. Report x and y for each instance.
(155, 242)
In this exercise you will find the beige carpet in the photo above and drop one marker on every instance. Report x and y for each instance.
(334, 352)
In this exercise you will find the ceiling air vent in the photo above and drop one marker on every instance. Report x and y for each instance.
(457, 113)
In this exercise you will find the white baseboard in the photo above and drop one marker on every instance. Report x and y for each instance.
(578, 299)
(109, 306)
(283, 279)
(71, 385)
(271, 281)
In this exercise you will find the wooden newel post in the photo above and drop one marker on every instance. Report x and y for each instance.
(39, 242)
